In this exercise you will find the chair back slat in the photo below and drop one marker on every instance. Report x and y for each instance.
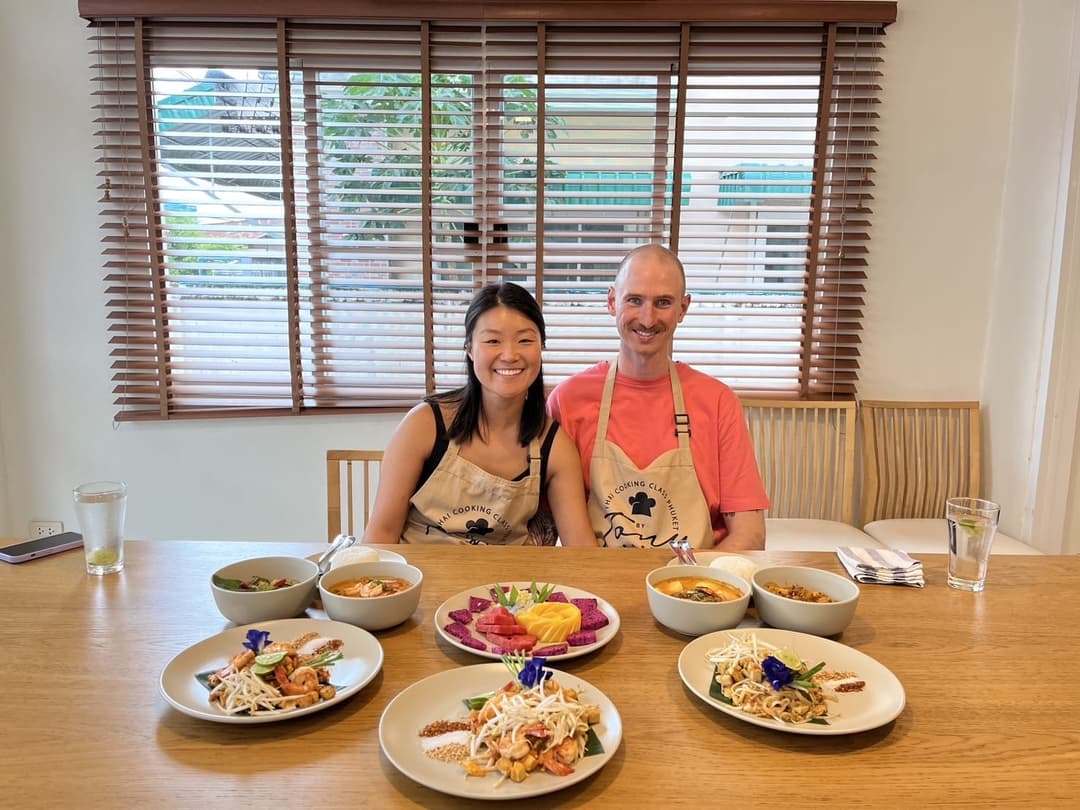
(806, 455)
(915, 455)
(349, 497)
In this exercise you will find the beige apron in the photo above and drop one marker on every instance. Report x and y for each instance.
(464, 504)
(646, 508)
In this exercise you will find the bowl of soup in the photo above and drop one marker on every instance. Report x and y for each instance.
(694, 599)
(264, 588)
(806, 600)
(373, 595)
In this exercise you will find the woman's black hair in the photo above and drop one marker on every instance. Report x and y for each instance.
(468, 421)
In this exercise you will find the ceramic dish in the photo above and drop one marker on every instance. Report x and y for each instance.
(185, 693)
(439, 697)
(879, 702)
(461, 601)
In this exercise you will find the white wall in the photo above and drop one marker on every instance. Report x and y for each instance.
(1030, 277)
(941, 192)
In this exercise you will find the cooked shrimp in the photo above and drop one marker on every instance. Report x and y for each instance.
(374, 587)
(551, 764)
(513, 749)
(236, 663)
(567, 752)
(302, 681)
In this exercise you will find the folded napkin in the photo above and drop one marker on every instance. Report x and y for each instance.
(885, 566)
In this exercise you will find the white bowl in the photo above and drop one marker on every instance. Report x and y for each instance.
(377, 612)
(817, 618)
(248, 607)
(695, 618)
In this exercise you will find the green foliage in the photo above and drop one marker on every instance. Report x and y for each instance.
(374, 134)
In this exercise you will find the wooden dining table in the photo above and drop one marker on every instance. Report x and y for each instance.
(992, 714)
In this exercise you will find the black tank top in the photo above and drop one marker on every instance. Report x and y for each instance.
(438, 450)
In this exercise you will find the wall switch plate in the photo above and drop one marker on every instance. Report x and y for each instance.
(45, 528)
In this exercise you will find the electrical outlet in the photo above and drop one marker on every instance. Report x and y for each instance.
(45, 528)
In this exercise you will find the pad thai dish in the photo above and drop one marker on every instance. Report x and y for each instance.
(531, 724)
(767, 681)
(274, 676)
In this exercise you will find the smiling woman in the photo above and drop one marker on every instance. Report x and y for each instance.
(474, 465)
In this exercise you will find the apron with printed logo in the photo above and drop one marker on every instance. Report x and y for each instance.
(464, 504)
(646, 507)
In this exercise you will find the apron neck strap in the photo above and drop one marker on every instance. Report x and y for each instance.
(682, 418)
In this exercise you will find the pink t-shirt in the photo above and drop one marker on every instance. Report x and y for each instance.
(642, 424)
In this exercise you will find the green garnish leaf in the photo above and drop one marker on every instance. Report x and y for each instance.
(227, 584)
(592, 743)
(716, 691)
(507, 599)
(326, 659)
(819, 721)
(478, 701)
(541, 593)
(515, 662)
(810, 673)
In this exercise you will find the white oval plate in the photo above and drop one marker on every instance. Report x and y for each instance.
(440, 696)
(880, 701)
(461, 601)
(179, 686)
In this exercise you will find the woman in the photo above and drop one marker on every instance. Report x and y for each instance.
(473, 465)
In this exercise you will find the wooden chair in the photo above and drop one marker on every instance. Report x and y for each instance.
(346, 494)
(806, 456)
(916, 455)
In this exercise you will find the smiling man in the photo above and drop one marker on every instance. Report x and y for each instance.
(665, 449)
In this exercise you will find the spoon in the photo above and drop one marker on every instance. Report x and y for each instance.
(688, 550)
(677, 548)
(341, 542)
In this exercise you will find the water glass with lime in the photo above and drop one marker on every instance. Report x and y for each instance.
(972, 524)
(101, 507)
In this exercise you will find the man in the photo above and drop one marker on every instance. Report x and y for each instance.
(665, 449)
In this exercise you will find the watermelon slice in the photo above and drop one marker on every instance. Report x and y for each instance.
(502, 629)
(512, 643)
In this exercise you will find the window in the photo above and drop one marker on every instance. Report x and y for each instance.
(297, 210)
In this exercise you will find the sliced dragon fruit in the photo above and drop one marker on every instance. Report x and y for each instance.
(463, 616)
(582, 638)
(593, 619)
(552, 649)
(478, 604)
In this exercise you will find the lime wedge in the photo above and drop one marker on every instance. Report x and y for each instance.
(102, 556)
(789, 659)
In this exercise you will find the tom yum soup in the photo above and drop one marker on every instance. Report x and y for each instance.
(698, 589)
(798, 592)
(369, 587)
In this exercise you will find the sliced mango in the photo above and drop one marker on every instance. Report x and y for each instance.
(551, 622)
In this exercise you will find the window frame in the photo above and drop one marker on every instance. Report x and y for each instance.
(832, 16)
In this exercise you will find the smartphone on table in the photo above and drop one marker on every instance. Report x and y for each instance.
(40, 547)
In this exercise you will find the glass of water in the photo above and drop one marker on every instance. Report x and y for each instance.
(100, 507)
(972, 525)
